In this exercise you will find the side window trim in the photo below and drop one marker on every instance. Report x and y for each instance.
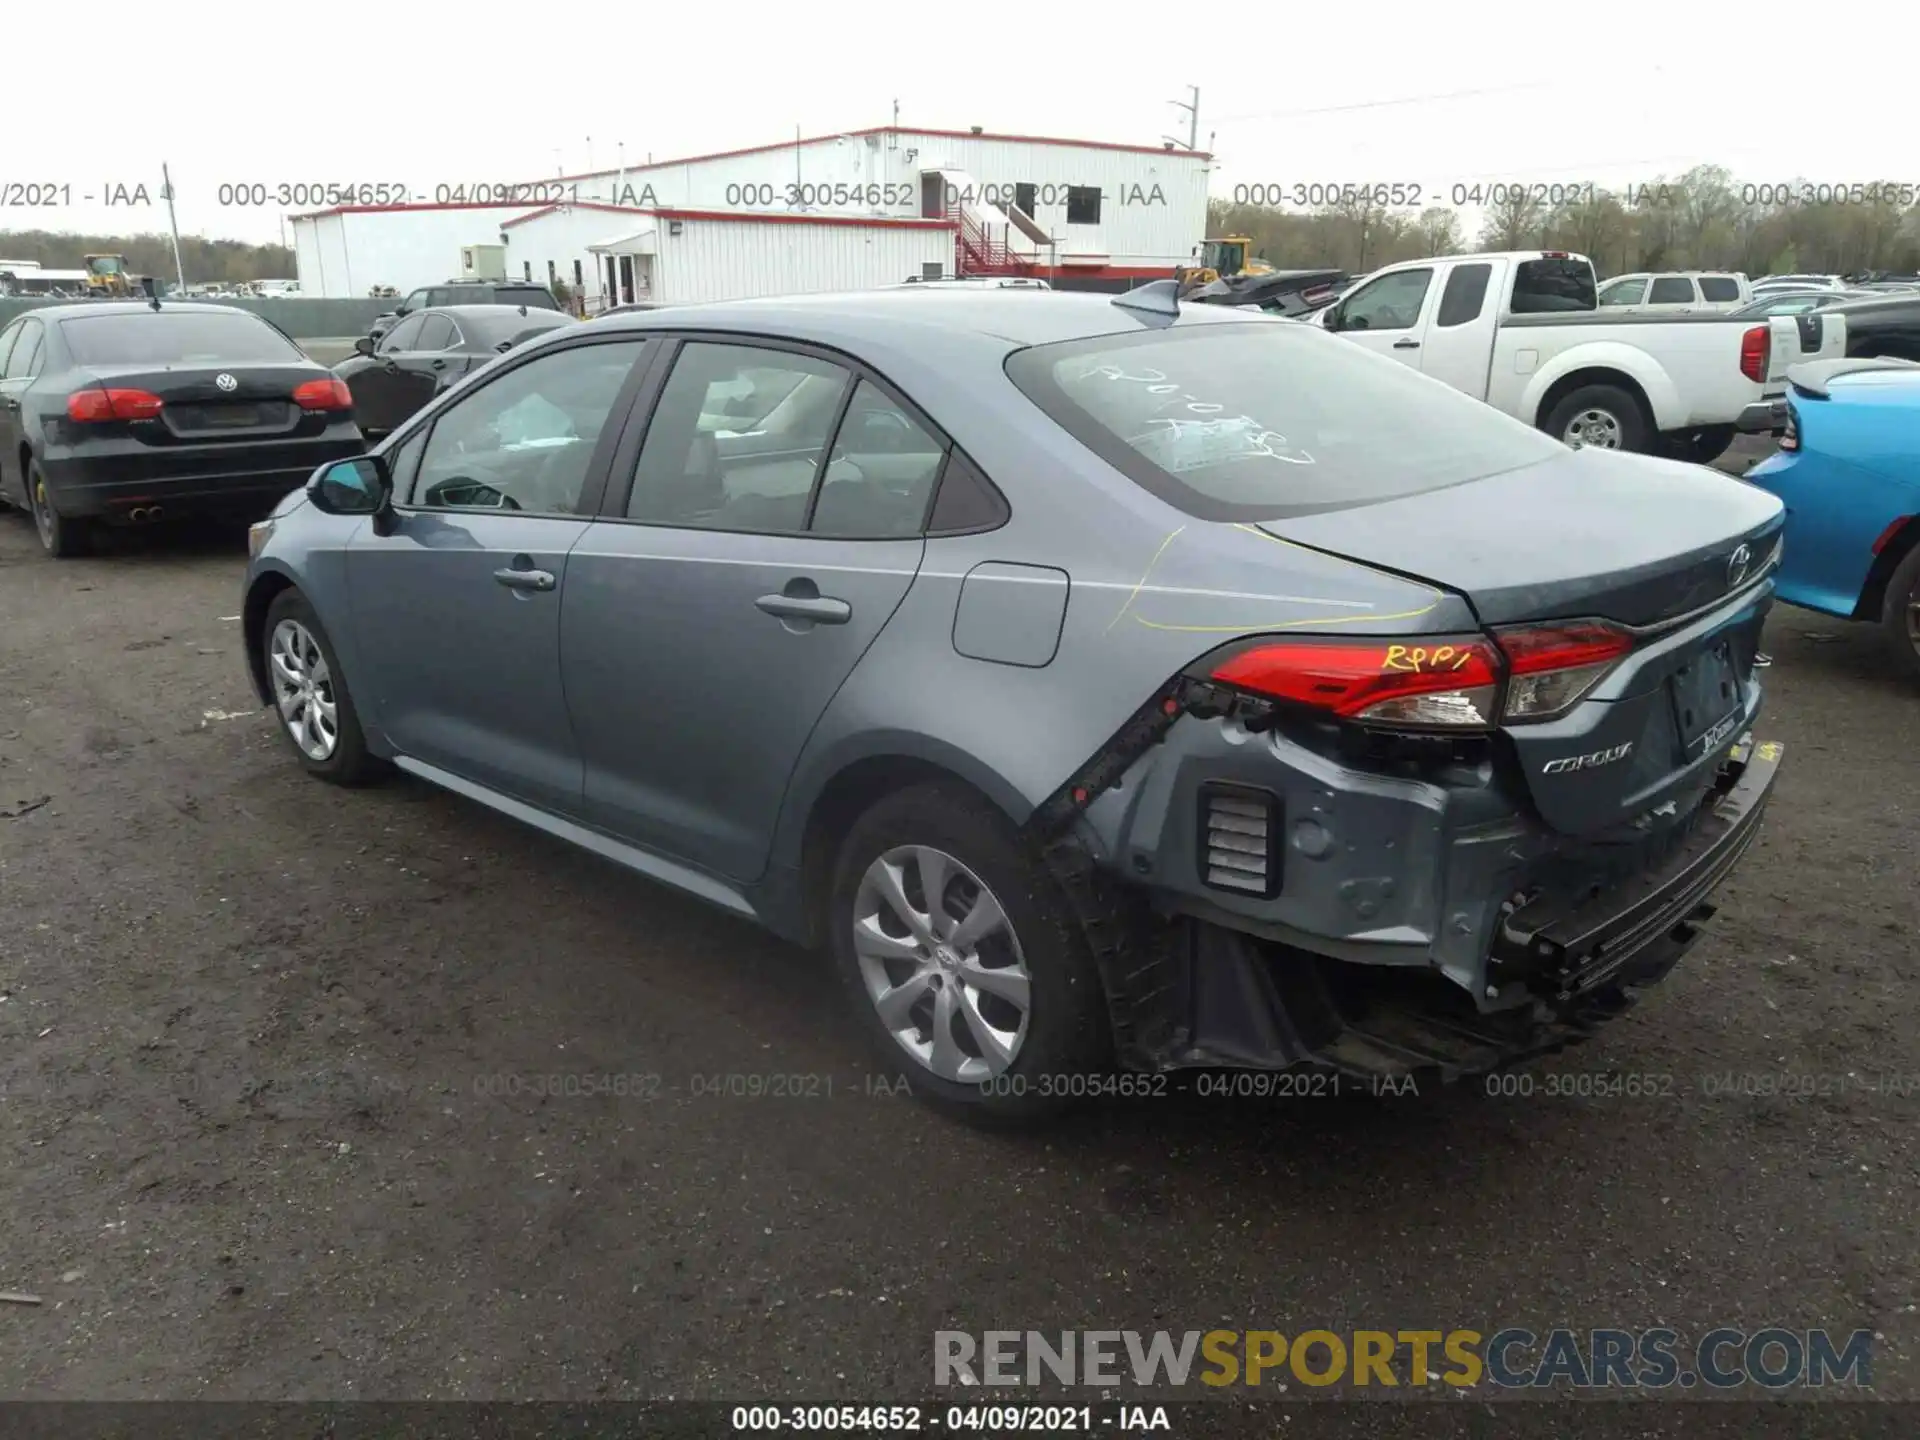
(8, 337)
(593, 493)
(626, 460)
(32, 334)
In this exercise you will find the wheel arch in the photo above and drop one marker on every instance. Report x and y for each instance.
(1561, 386)
(261, 593)
(1873, 594)
(837, 792)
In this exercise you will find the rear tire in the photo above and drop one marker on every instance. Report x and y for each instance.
(1900, 614)
(1062, 1030)
(305, 678)
(61, 536)
(1603, 416)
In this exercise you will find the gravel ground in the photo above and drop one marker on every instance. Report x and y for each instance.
(269, 1054)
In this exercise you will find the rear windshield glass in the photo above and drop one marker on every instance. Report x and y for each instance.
(1268, 419)
(175, 337)
(1541, 286)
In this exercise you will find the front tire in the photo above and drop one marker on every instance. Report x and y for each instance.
(962, 959)
(310, 696)
(61, 537)
(1604, 417)
(1900, 614)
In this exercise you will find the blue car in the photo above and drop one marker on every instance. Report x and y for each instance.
(1849, 472)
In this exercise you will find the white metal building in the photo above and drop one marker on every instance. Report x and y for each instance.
(678, 256)
(344, 252)
(1084, 214)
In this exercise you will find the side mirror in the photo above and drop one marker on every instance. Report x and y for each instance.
(360, 486)
(1332, 317)
(364, 345)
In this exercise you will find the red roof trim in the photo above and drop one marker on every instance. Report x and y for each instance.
(573, 205)
(877, 222)
(884, 130)
(746, 217)
(397, 209)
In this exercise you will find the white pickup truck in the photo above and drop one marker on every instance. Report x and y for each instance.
(1522, 331)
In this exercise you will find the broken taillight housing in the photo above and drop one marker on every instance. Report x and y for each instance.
(1445, 682)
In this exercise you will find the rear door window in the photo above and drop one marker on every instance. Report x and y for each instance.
(1259, 420)
(436, 333)
(532, 296)
(1465, 295)
(1671, 290)
(26, 350)
(176, 337)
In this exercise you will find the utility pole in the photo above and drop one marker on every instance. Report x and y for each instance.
(173, 225)
(1193, 117)
(896, 114)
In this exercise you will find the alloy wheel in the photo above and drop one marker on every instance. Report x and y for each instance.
(942, 964)
(1598, 428)
(303, 689)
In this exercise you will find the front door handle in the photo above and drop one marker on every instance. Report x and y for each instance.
(1406, 344)
(439, 364)
(525, 579)
(802, 600)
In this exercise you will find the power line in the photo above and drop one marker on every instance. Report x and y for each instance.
(1385, 104)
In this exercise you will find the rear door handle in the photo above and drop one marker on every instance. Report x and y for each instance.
(821, 609)
(1406, 344)
(525, 579)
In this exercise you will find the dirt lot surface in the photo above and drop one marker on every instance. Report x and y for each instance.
(271, 1057)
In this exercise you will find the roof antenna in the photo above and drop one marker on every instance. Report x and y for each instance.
(147, 284)
(1156, 297)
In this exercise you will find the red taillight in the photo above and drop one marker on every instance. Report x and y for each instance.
(1553, 666)
(327, 394)
(1448, 681)
(1431, 680)
(1756, 351)
(90, 407)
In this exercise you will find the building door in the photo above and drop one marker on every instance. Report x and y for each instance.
(933, 196)
(626, 279)
(613, 278)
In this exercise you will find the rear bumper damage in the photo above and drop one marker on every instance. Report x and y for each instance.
(1195, 990)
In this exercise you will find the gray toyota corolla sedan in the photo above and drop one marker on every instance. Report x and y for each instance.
(1112, 687)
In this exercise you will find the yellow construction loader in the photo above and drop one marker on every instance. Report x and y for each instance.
(107, 275)
(1220, 259)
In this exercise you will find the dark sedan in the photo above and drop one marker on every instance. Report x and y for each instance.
(1887, 327)
(128, 412)
(429, 350)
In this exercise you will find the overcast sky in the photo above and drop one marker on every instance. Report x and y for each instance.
(426, 95)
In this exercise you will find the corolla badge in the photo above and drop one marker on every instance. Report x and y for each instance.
(1737, 564)
(1586, 762)
(227, 382)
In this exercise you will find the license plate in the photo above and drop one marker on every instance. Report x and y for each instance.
(233, 415)
(1707, 703)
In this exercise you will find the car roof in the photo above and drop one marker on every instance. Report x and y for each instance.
(489, 312)
(131, 307)
(1016, 318)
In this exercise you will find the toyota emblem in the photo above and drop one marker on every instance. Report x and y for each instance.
(1737, 566)
(227, 382)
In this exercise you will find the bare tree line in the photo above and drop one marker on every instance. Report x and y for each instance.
(1705, 219)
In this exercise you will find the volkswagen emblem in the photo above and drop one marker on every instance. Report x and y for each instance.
(227, 382)
(1736, 565)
